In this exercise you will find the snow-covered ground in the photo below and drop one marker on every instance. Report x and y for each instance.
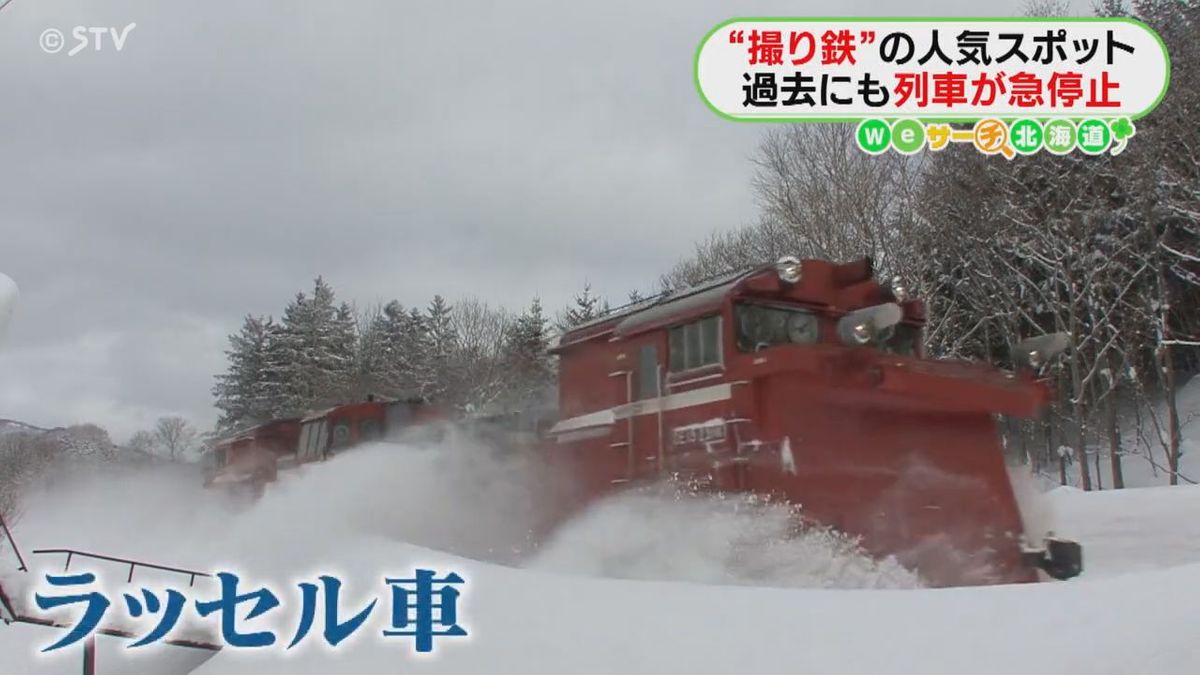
(705, 585)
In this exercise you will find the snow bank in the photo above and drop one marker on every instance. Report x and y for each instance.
(529, 621)
(665, 533)
(525, 622)
(1132, 530)
(388, 508)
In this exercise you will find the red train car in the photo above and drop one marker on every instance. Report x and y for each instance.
(336, 429)
(252, 457)
(807, 380)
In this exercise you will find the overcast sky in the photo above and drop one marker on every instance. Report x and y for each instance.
(231, 152)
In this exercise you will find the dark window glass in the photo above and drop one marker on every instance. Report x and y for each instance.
(692, 346)
(677, 350)
(696, 344)
(710, 341)
(647, 372)
(762, 326)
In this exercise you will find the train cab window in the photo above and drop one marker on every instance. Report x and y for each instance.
(646, 380)
(341, 434)
(762, 326)
(696, 344)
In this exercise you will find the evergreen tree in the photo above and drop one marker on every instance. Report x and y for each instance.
(399, 351)
(312, 358)
(370, 358)
(416, 356)
(527, 363)
(272, 385)
(343, 348)
(441, 341)
(290, 359)
(585, 309)
(242, 392)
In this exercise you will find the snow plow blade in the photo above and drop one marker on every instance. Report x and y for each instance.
(905, 454)
(931, 489)
(1060, 558)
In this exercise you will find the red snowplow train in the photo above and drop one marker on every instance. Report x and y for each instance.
(245, 461)
(804, 381)
(807, 381)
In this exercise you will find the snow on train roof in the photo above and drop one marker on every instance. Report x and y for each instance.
(242, 433)
(318, 414)
(638, 315)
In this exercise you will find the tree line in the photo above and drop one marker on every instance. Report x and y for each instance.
(321, 352)
(1106, 248)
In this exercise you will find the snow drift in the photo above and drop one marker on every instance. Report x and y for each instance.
(667, 533)
(460, 498)
(387, 508)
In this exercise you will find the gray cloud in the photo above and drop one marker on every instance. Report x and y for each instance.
(230, 153)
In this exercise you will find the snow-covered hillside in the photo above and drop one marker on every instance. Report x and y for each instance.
(707, 586)
(15, 427)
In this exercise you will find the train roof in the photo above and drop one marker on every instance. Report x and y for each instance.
(375, 400)
(645, 314)
(251, 432)
(324, 412)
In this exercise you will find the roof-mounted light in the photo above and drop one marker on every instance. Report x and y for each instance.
(788, 269)
(861, 333)
(1037, 352)
(861, 326)
(900, 290)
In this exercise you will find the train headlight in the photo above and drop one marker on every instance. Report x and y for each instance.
(862, 326)
(861, 333)
(1035, 359)
(788, 269)
(1038, 352)
(900, 290)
